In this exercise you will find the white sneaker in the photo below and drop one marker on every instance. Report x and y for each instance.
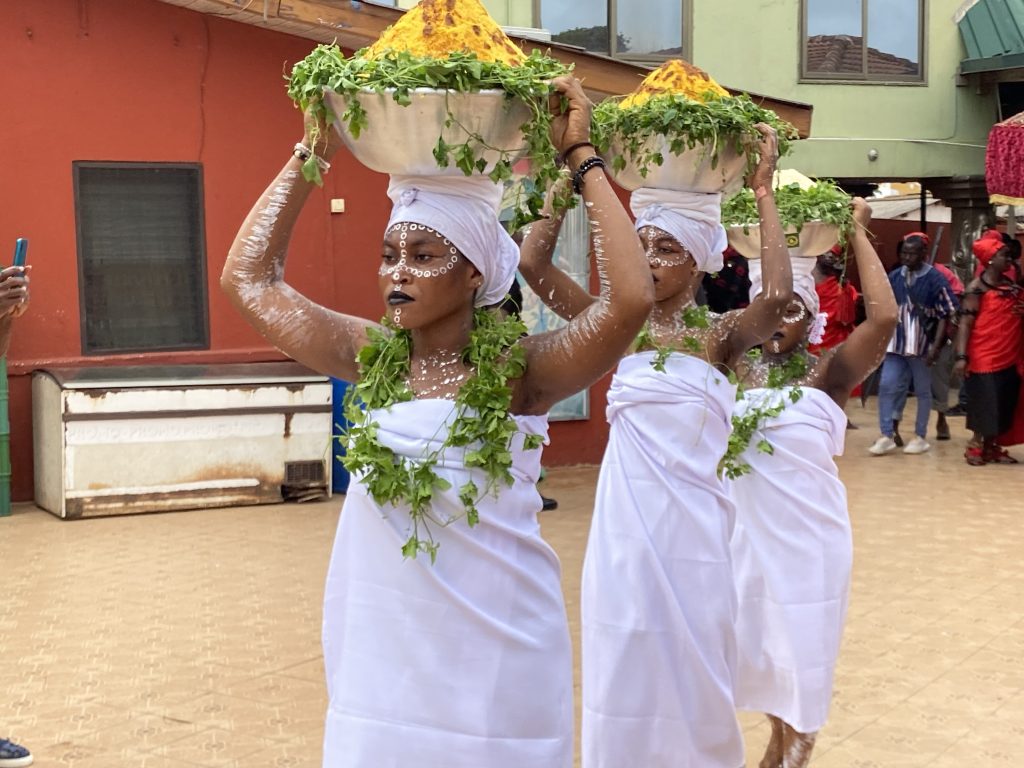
(883, 445)
(917, 445)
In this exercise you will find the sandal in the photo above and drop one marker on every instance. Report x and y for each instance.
(999, 456)
(975, 456)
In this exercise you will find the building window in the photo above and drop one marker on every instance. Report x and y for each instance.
(648, 31)
(867, 40)
(141, 257)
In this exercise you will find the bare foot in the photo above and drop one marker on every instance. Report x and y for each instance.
(773, 752)
(797, 747)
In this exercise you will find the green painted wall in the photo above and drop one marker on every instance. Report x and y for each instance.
(935, 129)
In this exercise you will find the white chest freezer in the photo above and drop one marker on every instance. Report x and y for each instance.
(119, 440)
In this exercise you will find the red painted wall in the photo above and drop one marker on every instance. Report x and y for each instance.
(108, 80)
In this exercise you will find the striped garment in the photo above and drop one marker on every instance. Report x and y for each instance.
(924, 297)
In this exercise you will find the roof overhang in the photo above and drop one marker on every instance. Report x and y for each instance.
(354, 24)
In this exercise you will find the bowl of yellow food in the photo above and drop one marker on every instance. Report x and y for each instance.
(810, 240)
(405, 136)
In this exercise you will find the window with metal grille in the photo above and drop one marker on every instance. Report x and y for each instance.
(141, 257)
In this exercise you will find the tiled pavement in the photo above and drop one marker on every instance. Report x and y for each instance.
(193, 638)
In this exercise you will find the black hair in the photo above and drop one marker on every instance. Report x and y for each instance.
(512, 304)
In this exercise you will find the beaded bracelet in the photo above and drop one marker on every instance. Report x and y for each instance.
(303, 152)
(594, 161)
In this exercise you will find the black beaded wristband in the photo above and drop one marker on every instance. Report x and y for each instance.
(961, 356)
(594, 161)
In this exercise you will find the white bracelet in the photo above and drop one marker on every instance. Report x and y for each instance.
(303, 152)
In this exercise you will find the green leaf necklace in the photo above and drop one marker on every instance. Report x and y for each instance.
(482, 424)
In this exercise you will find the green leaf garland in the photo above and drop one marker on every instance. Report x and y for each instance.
(327, 67)
(482, 423)
(715, 123)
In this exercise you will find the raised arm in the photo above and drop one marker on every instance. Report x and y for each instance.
(14, 298)
(563, 295)
(862, 352)
(253, 276)
(751, 326)
(566, 361)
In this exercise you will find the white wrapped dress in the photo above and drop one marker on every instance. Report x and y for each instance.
(792, 554)
(658, 599)
(462, 664)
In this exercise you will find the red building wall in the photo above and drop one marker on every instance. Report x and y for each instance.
(142, 81)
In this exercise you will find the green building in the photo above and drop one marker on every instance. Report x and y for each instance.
(891, 100)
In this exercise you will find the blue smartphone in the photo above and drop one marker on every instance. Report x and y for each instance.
(20, 251)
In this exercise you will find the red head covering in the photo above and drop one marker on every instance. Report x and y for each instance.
(836, 250)
(927, 240)
(986, 247)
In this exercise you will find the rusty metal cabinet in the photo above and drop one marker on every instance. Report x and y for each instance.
(119, 440)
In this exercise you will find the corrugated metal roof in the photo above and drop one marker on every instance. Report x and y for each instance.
(992, 29)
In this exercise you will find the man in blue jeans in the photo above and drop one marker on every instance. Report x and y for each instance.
(926, 303)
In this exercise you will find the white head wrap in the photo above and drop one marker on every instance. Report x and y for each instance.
(692, 218)
(465, 210)
(803, 286)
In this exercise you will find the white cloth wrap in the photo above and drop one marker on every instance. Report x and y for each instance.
(692, 218)
(658, 601)
(792, 554)
(465, 210)
(461, 664)
(803, 281)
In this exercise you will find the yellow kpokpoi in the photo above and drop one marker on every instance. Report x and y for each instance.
(437, 28)
(675, 76)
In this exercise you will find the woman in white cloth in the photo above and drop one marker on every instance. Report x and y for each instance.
(658, 601)
(792, 547)
(465, 662)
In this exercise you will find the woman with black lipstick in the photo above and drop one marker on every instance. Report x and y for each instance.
(445, 636)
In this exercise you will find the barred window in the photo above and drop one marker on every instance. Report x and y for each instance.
(141, 257)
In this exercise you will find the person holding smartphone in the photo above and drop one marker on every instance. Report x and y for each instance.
(13, 304)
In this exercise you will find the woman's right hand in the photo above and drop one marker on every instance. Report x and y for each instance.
(320, 136)
(571, 123)
(861, 213)
(960, 369)
(768, 157)
(14, 296)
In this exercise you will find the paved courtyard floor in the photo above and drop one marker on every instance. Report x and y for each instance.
(192, 639)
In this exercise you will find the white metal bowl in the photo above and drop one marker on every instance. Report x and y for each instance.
(814, 239)
(401, 139)
(690, 171)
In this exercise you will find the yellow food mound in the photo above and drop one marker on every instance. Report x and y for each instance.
(675, 76)
(437, 28)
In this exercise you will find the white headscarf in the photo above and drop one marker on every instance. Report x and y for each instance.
(465, 210)
(692, 218)
(803, 286)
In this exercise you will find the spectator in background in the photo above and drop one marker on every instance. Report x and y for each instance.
(926, 303)
(728, 288)
(942, 371)
(13, 304)
(838, 299)
(989, 346)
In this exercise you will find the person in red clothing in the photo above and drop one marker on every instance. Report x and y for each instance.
(838, 300)
(989, 348)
